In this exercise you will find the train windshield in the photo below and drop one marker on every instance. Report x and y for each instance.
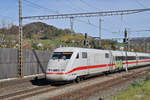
(61, 55)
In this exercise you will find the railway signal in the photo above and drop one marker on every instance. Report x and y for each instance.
(125, 40)
(86, 42)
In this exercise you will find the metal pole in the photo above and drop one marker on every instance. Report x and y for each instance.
(148, 48)
(126, 48)
(126, 58)
(100, 21)
(71, 24)
(128, 43)
(20, 55)
(145, 47)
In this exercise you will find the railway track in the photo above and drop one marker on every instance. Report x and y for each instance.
(25, 93)
(19, 95)
(74, 94)
(85, 92)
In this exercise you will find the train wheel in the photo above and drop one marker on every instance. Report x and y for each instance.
(78, 79)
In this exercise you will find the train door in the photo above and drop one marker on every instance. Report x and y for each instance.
(122, 60)
(77, 61)
(90, 61)
(80, 61)
(112, 61)
(84, 60)
(137, 58)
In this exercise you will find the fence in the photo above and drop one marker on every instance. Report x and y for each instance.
(34, 62)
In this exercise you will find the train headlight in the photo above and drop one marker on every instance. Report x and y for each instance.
(55, 70)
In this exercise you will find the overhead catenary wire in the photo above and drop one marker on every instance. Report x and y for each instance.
(74, 15)
(89, 5)
(137, 32)
(72, 8)
(139, 3)
(93, 25)
(4, 16)
(81, 9)
(40, 7)
(121, 26)
(89, 14)
(78, 8)
(8, 17)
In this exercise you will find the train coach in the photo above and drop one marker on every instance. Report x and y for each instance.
(72, 63)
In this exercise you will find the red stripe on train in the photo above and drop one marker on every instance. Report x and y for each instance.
(96, 66)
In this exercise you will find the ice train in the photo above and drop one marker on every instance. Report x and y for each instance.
(73, 63)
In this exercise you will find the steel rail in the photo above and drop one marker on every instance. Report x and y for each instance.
(15, 94)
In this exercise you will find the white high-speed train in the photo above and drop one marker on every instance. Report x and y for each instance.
(72, 63)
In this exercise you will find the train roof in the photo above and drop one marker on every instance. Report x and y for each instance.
(73, 49)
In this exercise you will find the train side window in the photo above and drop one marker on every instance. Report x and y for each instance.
(77, 57)
(84, 55)
(143, 57)
(106, 55)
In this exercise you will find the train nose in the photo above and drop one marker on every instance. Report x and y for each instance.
(55, 70)
(56, 76)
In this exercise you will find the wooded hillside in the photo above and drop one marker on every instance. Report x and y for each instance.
(31, 30)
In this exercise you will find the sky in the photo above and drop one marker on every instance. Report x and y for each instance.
(112, 26)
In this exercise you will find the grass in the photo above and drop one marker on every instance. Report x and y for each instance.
(71, 37)
(137, 91)
(51, 44)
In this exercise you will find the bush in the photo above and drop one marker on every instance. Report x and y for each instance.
(147, 77)
(137, 84)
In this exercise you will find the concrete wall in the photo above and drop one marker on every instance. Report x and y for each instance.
(34, 62)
